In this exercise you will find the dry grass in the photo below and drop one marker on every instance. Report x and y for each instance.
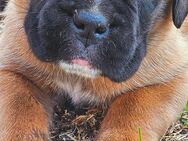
(83, 124)
(75, 124)
(179, 130)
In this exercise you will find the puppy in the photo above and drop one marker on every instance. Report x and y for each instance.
(128, 54)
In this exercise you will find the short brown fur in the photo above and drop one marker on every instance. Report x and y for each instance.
(152, 100)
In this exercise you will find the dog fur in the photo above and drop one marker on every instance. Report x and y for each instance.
(151, 99)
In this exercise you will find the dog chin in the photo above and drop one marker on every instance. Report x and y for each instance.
(79, 70)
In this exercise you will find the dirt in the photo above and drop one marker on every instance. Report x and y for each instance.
(75, 124)
(71, 124)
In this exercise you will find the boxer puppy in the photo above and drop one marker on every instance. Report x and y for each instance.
(128, 54)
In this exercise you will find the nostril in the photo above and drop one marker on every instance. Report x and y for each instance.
(88, 23)
(80, 25)
(100, 29)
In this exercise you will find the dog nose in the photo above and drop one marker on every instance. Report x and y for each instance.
(90, 25)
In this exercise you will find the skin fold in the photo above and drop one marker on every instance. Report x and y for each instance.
(149, 96)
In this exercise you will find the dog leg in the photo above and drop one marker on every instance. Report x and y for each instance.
(23, 114)
(151, 109)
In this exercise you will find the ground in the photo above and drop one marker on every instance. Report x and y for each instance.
(70, 124)
(83, 124)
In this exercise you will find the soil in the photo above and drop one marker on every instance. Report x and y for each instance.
(75, 124)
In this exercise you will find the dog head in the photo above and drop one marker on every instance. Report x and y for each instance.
(96, 37)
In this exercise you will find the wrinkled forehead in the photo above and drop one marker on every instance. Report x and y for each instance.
(93, 5)
(98, 5)
(105, 6)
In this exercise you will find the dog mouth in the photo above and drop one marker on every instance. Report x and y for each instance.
(82, 62)
(80, 67)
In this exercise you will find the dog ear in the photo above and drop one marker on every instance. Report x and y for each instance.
(180, 11)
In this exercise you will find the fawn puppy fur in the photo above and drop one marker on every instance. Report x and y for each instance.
(131, 55)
